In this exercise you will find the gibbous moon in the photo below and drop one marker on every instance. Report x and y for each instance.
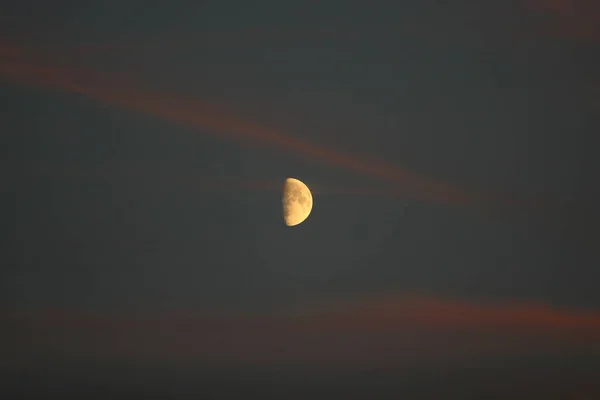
(297, 202)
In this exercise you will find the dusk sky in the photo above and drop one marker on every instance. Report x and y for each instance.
(451, 151)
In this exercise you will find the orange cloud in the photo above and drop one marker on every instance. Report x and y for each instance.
(397, 313)
(16, 65)
(576, 19)
(377, 332)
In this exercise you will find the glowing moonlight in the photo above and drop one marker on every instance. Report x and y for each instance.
(297, 202)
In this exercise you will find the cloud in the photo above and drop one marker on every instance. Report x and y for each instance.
(24, 67)
(574, 19)
(382, 331)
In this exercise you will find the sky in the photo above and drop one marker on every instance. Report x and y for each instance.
(450, 152)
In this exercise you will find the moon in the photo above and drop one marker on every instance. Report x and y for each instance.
(297, 202)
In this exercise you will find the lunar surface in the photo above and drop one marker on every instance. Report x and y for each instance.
(297, 202)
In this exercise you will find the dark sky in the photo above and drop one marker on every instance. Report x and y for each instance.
(451, 251)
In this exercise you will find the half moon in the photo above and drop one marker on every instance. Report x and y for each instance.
(297, 202)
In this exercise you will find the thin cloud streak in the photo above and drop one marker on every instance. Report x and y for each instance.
(368, 332)
(572, 19)
(214, 120)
